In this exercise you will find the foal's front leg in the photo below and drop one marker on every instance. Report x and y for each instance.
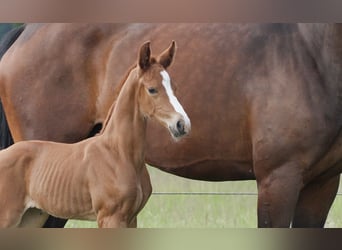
(112, 221)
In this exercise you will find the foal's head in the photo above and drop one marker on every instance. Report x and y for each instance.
(156, 96)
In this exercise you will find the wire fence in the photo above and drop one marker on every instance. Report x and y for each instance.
(211, 193)
(203, 193)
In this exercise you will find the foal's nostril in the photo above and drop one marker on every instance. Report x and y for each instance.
(180, 126)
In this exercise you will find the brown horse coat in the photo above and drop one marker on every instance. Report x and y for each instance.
(103, 178)
(264, 100)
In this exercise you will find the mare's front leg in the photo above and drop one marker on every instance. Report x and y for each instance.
(314, 203)
(278, 192)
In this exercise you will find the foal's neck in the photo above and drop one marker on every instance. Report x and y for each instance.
(126, 127)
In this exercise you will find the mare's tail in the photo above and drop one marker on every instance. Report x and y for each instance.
(6, 139)
(6, 42)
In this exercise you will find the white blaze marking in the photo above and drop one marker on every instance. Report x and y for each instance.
(172, 98)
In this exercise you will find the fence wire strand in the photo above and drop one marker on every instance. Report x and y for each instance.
(211, 193)
(203, 193)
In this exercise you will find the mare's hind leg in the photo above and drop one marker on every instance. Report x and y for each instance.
(33, 218)
(314, 203)
(133, 223)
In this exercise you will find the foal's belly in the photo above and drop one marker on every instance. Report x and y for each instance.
(60, 192)
(66, 210)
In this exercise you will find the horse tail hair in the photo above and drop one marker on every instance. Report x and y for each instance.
(9, 38)
(6, 138)
(6, 42)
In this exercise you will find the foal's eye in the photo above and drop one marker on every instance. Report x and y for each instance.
(152, 91)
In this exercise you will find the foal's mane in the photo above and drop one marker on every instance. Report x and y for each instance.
(116, 94)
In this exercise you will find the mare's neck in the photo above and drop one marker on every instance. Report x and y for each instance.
(324, 42)
(126, 127)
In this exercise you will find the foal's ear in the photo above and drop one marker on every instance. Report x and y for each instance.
(144, 56)
(167, 56)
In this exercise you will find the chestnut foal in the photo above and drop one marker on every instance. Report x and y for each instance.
(103, 178)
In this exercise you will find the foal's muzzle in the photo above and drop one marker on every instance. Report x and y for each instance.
(180, 129)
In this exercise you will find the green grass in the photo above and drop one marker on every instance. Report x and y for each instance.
(203, 211)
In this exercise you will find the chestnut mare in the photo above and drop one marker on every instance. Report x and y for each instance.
(103, 178)
(264, 101)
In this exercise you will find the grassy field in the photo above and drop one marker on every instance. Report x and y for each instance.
(203, 211)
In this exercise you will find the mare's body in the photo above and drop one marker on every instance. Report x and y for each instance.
(264, 100)
(103, 178)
